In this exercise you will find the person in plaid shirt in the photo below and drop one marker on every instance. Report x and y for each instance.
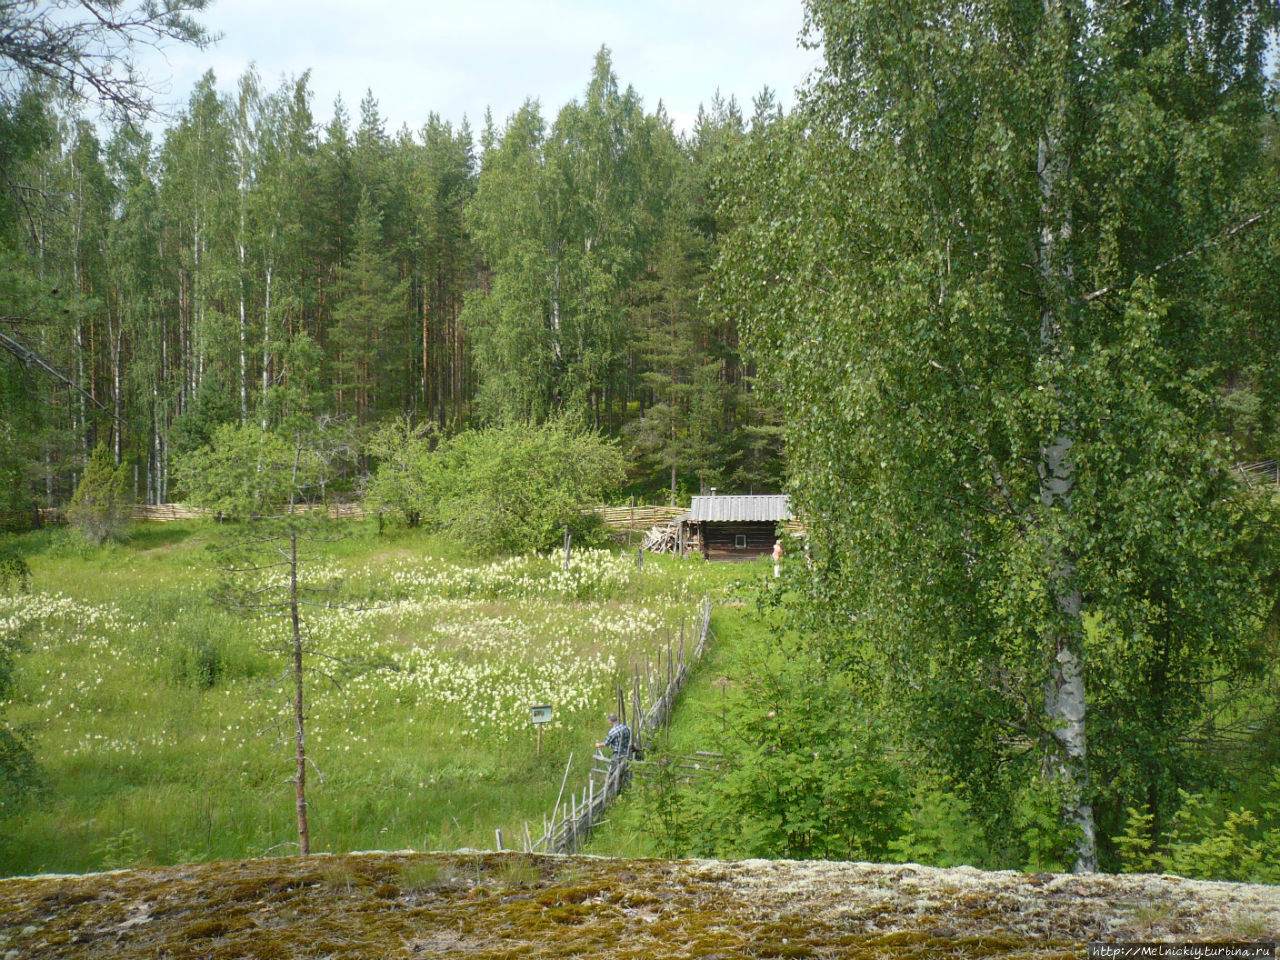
(618, 740)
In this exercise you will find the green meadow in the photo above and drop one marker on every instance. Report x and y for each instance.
(162, 721)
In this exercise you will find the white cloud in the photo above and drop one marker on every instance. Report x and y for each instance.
(457, 58)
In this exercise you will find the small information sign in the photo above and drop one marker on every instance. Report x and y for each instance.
(541, 714)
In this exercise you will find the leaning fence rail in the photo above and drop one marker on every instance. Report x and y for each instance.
(1262, 472)
(652, 698)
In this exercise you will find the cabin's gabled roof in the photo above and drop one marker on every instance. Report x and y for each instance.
(740, 509)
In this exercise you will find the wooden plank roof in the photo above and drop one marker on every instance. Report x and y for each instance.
(740, 509)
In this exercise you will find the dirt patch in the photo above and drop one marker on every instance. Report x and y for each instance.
(486, 905)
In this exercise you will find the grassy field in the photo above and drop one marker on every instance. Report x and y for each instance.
(742, 648)
(162, 721)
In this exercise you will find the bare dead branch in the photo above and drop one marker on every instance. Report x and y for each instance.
(1188, 254)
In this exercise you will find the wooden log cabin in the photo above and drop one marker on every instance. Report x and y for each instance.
(734, 527)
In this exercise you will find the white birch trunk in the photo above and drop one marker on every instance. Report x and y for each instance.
(244, 333)
(266, 334)
(153, 466)
(162, 446)
(197, 307)
(555, 313)
(116, 349)
(1064, 697)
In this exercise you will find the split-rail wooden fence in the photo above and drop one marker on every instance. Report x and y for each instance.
(633, 516)
(652, 698)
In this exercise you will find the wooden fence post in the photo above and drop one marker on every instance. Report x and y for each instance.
(573, 821)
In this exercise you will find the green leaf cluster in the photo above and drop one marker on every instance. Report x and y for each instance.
(508, 489)
(1206, 839)
(811, 773)
(19, 771)
(103, 502)
(248, 472)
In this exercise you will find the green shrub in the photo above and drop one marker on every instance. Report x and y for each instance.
(101, 505)
(125, 849)
(939, 831)
(667, 807)
(198, 662)
(1046, 843)
(505, 490)
(812, 778)
(400, 447)
(19, 773)
(15, 575)
(1207, 840)
(202, 656)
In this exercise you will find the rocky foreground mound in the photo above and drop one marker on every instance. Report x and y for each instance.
(489, 905)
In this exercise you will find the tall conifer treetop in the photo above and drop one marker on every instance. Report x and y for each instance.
(86, 47)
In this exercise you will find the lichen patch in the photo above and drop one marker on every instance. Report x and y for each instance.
(489, 905)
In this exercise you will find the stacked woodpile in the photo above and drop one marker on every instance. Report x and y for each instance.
(163, 512)
(626, 517)
(663, 539)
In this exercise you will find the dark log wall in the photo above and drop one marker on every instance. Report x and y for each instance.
(719, 540)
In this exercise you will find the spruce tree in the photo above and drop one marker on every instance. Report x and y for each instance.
(102, 504)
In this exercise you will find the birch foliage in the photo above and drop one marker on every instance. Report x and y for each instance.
(983, 263)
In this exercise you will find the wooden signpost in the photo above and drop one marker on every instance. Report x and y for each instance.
(540, 715)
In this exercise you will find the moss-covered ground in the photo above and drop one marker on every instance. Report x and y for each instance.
(488, 905)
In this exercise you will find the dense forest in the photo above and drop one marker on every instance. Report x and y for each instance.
(155, 290)
(997, 300)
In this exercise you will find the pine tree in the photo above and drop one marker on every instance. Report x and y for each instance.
(370, 302)
(101, 505)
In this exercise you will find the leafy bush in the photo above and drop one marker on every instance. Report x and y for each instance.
(123, 850)
(19, 773)
(510, 489)
(812, 777)
(401, 449)
(246, 471)
(1206, 840)
(102, 504)
(15, 575)
(938, 830)
(198, 662)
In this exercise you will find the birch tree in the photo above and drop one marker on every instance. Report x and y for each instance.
(981, 261)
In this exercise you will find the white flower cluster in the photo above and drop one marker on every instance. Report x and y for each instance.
(76, 619)
(477, 666)
(591, 575)
(435, 647)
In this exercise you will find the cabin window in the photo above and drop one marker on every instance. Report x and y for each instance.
(740, 541)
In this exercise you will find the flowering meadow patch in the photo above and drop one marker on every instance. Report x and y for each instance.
(163, 719)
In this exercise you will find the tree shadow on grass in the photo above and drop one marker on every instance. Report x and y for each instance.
(157, 536)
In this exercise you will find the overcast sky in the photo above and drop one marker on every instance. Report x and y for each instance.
(456, 58)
